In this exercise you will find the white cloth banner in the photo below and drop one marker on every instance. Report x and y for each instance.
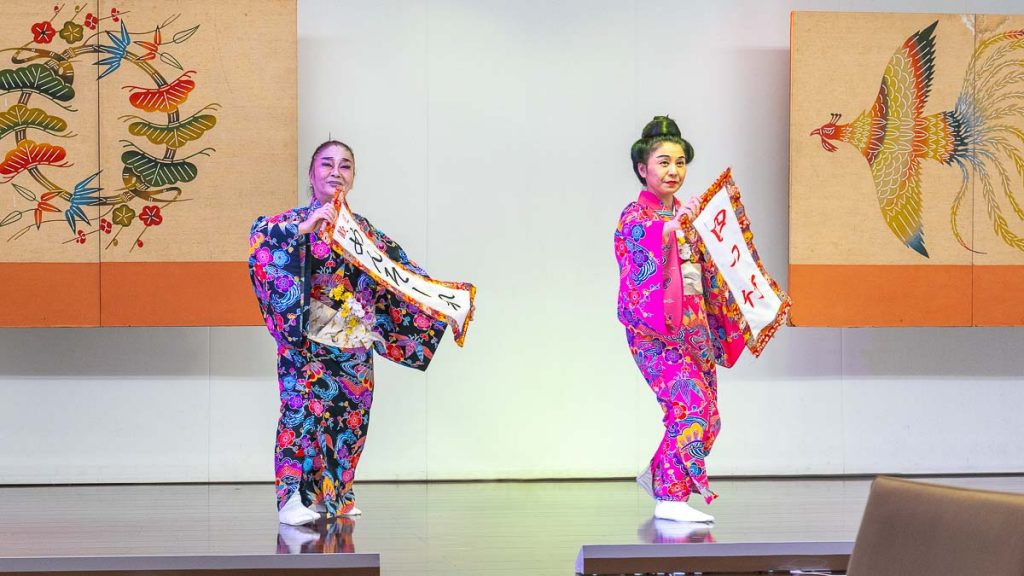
(448, 301)
(763, 305)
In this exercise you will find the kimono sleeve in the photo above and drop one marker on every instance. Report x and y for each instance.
(410, 337)
(278, 274)
(725, 325)
(641, 255)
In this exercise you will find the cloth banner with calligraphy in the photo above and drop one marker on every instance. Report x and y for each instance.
(725, 237)
(451, 302)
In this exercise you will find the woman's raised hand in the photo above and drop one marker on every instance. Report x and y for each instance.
(688, 210)
(325, 214)
(669, 230)
(690, 207)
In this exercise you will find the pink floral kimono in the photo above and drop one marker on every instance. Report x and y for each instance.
(680, 321)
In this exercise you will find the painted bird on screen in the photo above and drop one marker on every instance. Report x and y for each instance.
(978, 135)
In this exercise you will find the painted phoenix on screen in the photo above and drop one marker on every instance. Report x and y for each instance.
(977, 135)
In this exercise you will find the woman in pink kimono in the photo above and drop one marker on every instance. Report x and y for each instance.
(679, 316)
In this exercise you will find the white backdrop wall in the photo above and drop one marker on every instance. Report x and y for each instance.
(492, 141)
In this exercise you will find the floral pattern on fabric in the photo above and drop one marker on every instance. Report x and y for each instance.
(326, 392)
(676, 340)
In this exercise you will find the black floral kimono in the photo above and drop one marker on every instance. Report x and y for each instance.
(326, 391)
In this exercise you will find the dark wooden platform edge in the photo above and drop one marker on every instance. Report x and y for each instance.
(732, 558)
(347, 564)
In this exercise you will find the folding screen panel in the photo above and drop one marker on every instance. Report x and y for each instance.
(907, 165)
(140, 139)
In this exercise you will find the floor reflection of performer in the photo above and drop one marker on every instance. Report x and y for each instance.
(680, 319)
(327, 537)
(326, 391)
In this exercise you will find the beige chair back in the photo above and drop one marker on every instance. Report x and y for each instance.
(916, 529)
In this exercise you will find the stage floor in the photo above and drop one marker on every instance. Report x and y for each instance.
(478, 528)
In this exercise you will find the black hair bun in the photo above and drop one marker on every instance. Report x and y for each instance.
(661, 126)
(660, 129)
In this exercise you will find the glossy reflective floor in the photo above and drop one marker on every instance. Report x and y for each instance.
(489, 528)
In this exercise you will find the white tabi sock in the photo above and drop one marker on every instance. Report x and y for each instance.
(681, 532)
(294, 513)
(353, 512)
(680, 512)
